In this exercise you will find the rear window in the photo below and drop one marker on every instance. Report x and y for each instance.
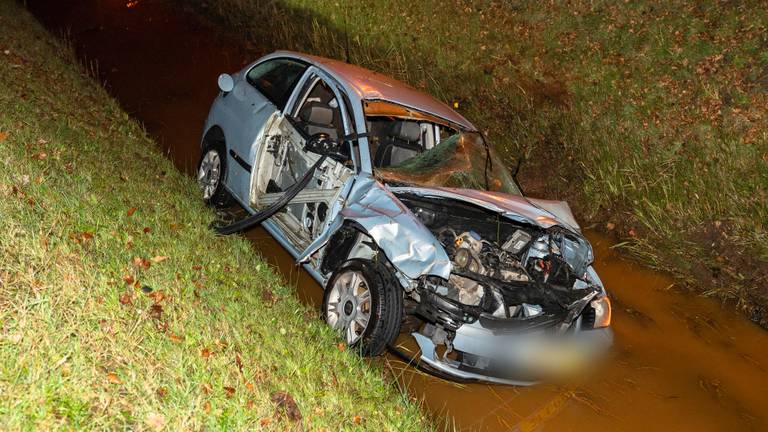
(275, 79)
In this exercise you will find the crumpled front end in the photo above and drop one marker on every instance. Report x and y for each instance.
(522, 302)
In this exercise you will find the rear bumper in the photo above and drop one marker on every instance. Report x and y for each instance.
(481, 354)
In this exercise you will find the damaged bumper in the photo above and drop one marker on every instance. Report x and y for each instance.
(481, 354)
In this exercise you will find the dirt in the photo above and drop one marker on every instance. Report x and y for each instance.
(680, 362)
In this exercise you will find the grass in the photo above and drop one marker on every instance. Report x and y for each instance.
(119, 309)
(648, 117)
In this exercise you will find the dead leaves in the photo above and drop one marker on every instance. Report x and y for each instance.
(131, 211)
(141, 263)
(112, 378)
(205, 353)
(268, 297)
(229, 391)
(40, 156)
(285, 405)
(176, 338)
(3, 136)
(126, 299)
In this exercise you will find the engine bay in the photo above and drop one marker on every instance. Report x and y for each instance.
(505, 273)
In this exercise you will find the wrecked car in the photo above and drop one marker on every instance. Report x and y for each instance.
(402, 211)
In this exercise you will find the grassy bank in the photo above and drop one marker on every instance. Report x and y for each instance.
(119, 309)
(648, 117)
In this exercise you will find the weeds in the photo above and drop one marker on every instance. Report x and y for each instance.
(119, 309)
(648, 117)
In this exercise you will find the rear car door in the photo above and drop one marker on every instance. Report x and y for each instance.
(260, 95)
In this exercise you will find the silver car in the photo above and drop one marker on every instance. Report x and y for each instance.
(407, 217)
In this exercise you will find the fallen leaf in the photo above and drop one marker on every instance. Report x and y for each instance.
(131, 211)
(112, 378)
(156, 311)
(205, 353)
(250, 387)
(229, 391)
(86, 235)
(357, 419)
(40, 156)
(265, 422)
(128, 279)
(239, 363)
(250, 404)
(341, 346)
(176, 338)
(632, 232)
(157, 296)
(159, 259)
(610, 226)
(147, 230)
(142, 262)
(286, 405)
(161, 392)
(207, 389)
(267, 296)
(155, 421)
(207, 407)
(3, 136)
(126, 299)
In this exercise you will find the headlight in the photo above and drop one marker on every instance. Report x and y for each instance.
(602, 307)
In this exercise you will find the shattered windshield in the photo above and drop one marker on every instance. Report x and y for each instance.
(462, 160)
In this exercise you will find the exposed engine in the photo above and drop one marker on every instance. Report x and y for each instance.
(502, 269)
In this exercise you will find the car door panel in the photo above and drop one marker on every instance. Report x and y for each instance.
(248, 112)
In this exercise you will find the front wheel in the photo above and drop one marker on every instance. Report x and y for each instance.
(211, 172)
(364, 303)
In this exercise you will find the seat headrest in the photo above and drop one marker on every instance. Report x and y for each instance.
(406, 130)
(316, 113)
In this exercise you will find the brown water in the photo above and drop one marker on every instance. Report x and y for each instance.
(680, 362)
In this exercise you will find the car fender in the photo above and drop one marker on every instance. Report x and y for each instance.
(406, 242)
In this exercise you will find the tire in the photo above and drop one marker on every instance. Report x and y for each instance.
(345, 305)
(211, 174)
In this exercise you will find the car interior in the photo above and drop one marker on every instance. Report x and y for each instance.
(319, 112)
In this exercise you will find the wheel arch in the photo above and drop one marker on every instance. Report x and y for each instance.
(214, 135)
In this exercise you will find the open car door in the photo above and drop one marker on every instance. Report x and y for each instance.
(283, 159)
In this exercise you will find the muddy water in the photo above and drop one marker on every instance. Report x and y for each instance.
(680, 363)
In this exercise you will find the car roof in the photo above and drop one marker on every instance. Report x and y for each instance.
(372, 86)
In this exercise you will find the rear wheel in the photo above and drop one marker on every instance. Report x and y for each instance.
(211, 172)
(364, 303)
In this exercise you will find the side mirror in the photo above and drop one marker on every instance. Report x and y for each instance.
(226, 83)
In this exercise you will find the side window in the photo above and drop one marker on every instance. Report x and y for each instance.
(275, 79)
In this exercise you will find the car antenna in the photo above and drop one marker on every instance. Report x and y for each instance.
(346, 37)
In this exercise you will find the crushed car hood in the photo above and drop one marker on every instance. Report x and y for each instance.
(544, 213)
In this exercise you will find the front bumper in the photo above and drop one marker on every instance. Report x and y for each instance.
(481, 354)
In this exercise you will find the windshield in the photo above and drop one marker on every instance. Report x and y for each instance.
(463, 160)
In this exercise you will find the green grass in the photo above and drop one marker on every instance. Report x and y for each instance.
(646, 116)
(92, 216)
